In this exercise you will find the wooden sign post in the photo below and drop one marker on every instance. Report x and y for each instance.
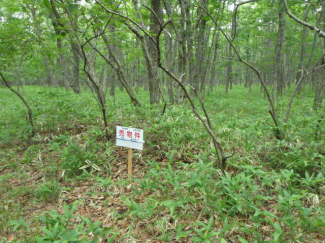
(130, 153)
(131, 138)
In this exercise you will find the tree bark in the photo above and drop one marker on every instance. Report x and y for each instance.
(59, 33)
(153, 77)
(76, 61)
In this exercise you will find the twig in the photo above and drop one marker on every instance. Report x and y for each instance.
(22, 183)
(202, 105)
(318, 126)
(164, 109)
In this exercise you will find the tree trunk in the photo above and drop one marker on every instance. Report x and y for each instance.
(153, 77)
(303, 44)
(47, 61)
(169, 65)
(19, 83)
(213, 75)
(320, 85)
(278, 61)
(59, 33)
(201, 52)
(229, 78)
(76, 60)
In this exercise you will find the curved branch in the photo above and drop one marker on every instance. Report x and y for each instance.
(127, 18)
(206, 122)
(263, 83)
(297, 90)
(154, 13)
(314, 28)
(30, 114)
(235, 16)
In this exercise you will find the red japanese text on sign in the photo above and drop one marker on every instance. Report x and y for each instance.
(129, 134)
(137, 135)
(121, 133)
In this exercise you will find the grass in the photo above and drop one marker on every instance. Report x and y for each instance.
(70, 185)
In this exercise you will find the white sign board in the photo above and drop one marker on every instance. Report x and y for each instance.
(129, 137)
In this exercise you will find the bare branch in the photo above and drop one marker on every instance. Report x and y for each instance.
(154, 13)
(105, 27)
(219, 151)
(120, 75)
(314, 28)
(297, 90)
(235, 16)
(263, 83)
(127, 18)
(202, 106)
(30, 114)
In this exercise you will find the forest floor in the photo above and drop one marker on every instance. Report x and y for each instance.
(271, 191)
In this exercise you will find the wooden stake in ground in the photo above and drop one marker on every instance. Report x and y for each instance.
(130, 154)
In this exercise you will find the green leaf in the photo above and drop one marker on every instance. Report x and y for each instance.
(210, 223)
(242, 240)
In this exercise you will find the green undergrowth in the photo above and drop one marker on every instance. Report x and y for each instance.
(68, 184)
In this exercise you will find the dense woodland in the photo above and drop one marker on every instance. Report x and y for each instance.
(229, 93)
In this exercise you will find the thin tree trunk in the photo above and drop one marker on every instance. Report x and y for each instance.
(19, 83)
(229, 78)
(59, 33)
(303, 44)
(76, 61)
(154, 80)
(201, 52)
(320, 85)
(47, 61)
(278, 61)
